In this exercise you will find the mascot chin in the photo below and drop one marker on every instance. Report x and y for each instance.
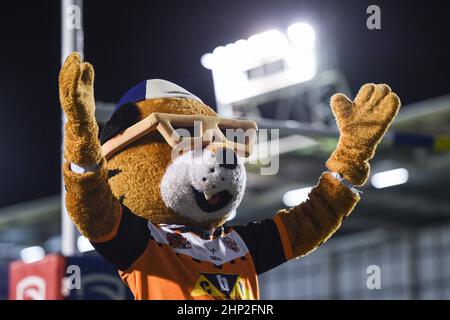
(157, 211)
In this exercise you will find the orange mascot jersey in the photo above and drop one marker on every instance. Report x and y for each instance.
(176, 262)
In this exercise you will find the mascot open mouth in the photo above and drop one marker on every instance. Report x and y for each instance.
(215, 202)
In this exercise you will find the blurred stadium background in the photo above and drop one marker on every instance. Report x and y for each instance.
(292, 56)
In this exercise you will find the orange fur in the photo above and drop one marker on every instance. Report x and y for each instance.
(315, 220)
(76, 91)
(90, 202)
(362, 124)
(92, 199)
(143, 163)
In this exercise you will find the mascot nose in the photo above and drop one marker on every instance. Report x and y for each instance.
(226, 158)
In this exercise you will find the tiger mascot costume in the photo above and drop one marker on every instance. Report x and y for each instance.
(159, 218)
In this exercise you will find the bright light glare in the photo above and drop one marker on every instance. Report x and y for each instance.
(389, 178)
(233, 65)
(32, 254)
(302, 35)
(207, 60)
(295, 197)
(269, 44)
(84, 245)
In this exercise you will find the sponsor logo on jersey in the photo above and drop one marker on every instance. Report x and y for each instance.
(219, 285)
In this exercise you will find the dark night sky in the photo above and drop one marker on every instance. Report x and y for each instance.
(135, 40)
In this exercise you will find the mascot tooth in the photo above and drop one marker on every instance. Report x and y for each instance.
(159, 216)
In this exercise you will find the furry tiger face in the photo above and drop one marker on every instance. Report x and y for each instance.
(193, 189)
(205, 187)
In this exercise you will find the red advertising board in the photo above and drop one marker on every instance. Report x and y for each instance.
(40, 280)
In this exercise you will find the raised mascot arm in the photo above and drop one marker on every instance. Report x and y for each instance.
(362, 124)
(89, 200)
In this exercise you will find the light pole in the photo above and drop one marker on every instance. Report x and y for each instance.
(71, 40)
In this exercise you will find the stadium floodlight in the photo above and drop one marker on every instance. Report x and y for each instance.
(301, 35)
(32, 254)
(390, 178)
(84, 245)
(295, 197)
(264, 62)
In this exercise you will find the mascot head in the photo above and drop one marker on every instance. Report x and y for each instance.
(171, 159)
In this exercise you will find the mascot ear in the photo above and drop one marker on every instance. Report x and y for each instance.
(125, 116)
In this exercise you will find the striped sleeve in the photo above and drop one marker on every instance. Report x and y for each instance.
(126, 243)
(284, 237)
(264, 240)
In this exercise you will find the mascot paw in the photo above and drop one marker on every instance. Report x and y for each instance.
(362, 124)
(76, 89)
